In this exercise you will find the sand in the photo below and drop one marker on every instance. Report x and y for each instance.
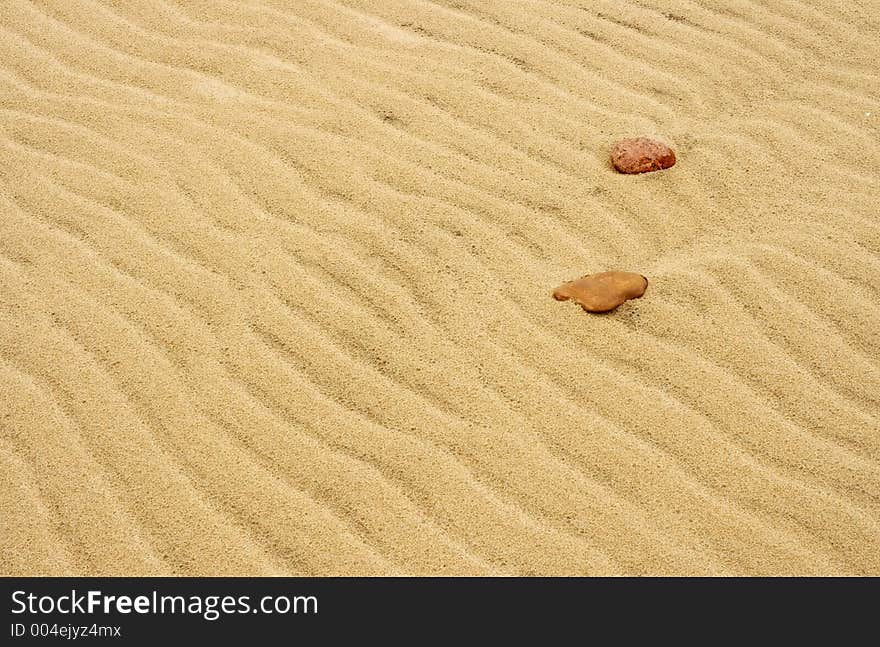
(275, 288)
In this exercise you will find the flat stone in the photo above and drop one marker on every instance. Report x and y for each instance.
(641, 155)
(604, 291)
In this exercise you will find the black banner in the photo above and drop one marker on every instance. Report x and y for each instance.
(145, 610)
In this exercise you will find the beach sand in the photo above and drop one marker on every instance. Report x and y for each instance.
(275, 288)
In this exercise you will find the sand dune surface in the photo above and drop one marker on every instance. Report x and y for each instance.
(275, 288)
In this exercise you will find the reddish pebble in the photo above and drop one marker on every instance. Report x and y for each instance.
(641, 155)
(604, 291)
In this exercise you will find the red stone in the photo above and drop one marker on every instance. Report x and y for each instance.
(641, 155)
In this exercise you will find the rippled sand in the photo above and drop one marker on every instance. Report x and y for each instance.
(275, 288)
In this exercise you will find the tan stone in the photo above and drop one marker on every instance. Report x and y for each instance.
(604, 291)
